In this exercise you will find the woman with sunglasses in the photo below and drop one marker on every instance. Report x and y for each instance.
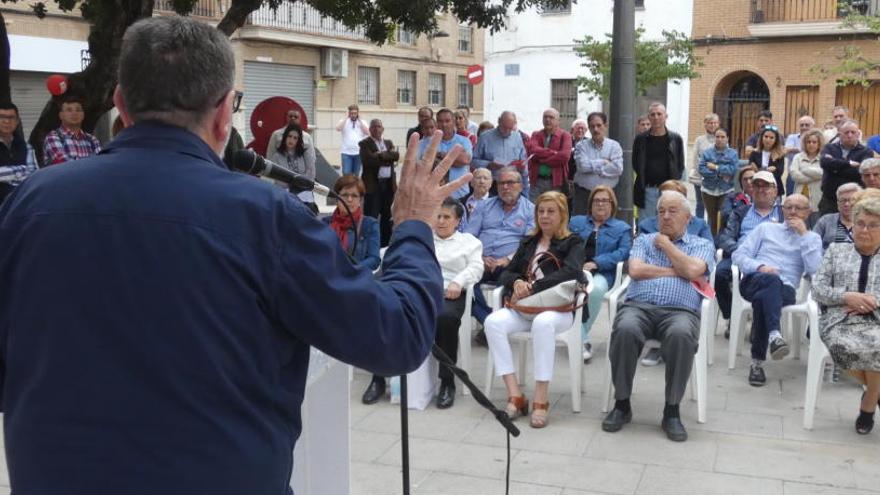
(770, 155)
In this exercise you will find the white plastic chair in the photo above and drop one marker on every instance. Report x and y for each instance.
(464, 336)
(789, 321)
(570, 338)
(815, 364)
(700, 372)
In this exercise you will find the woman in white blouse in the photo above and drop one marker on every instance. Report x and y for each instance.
(461, 260)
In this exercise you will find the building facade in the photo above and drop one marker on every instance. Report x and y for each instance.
(758, 56)
(291, 52)
(531, 65)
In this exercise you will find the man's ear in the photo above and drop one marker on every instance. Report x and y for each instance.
(222, 120)
(121, 108)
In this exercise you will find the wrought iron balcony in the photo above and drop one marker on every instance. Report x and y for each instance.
(302, 18)
(202, 8)
(768, 11)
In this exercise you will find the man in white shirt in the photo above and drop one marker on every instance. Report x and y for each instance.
(353, 130)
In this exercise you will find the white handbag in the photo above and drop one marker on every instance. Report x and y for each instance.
(561, 297)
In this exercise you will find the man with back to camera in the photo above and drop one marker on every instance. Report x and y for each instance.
(184, 297)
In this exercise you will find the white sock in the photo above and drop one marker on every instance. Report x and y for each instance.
(774, 334)
(757, 362)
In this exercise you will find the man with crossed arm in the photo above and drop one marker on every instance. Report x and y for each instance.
(660, 304)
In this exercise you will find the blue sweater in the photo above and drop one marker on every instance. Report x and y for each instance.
(157, 315)
(612, 243)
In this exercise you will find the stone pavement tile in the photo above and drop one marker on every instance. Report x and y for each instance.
(576, 472)
(574, 491)
(808, 462)
(375, 479)
(649, 445)
(805, 489)
(839, 431)
(367, 446)
(769, 400)
(555, 438)
(430, 423)
(738, 423)
(453, 458)
(659, 480)
(447, 484)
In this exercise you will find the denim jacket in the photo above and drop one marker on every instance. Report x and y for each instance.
(612, 243)
(367, 252)
(721, 180)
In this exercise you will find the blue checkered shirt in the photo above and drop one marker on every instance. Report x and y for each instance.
(669, 291)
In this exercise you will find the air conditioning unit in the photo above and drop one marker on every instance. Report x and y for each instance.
(334, 63)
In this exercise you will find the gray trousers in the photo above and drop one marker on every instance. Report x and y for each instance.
(677, 330)
(542, 185)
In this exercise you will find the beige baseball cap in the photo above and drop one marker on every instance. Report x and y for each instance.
(765, 176)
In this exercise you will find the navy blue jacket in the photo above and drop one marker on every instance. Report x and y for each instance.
(157, 314)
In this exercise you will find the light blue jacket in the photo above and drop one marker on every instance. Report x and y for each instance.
(612, 243)
(719, 181)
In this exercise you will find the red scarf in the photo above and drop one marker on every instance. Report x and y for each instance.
(341, 223)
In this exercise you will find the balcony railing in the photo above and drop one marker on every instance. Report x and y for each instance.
(202, 8)
(297, 16)
(764, 11)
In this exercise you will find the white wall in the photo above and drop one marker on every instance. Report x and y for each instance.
(542, 45)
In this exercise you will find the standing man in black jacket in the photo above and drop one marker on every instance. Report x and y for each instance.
(658, 156)
(17, 159)
(840, 164)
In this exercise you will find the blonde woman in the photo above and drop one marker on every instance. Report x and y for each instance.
(551, 235)
(806, 169)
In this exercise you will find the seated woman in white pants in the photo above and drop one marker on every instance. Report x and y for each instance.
(551, 235)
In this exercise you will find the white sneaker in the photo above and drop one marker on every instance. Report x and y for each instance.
(652, 358)
(588, 352)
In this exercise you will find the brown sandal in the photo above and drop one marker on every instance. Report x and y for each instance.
(539, 421)
(517, 406)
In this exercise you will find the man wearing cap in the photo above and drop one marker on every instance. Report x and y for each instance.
(773, 258)
(741, 222)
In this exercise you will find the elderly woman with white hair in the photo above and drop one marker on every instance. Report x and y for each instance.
(847, 285)
(870, 172)
(837, 227)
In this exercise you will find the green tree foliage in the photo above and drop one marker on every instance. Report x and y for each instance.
(851, 66)
(669, 58)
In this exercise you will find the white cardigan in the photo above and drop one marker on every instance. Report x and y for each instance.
(461, 258)
(806, 172)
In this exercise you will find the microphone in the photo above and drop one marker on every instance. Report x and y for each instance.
(251, 163)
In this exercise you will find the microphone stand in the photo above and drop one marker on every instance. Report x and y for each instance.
(482, 400)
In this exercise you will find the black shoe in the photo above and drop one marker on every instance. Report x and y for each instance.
(615, 420)
(865, 422)
(374, 392)
(446, 397)
(778, 349)
(674, 429)
(757, 378)
(480, 339)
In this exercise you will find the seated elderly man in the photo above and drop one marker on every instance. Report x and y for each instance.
(870, 172)
(742, 221)
(660, 304)
(773, 258)
(500, 223)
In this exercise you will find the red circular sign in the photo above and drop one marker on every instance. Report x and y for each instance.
(475, 74)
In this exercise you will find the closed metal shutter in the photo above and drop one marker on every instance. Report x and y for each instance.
(264, 80)
(30, 95)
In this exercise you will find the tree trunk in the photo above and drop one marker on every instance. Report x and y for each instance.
(237, 14)
(5, 87)
(96, 83)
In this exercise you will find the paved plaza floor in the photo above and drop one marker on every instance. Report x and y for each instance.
(753, 441)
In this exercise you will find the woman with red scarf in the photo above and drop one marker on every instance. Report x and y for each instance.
(366, 229)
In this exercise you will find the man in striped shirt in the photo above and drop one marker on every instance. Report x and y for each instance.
(69, 141)
(17, 160)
